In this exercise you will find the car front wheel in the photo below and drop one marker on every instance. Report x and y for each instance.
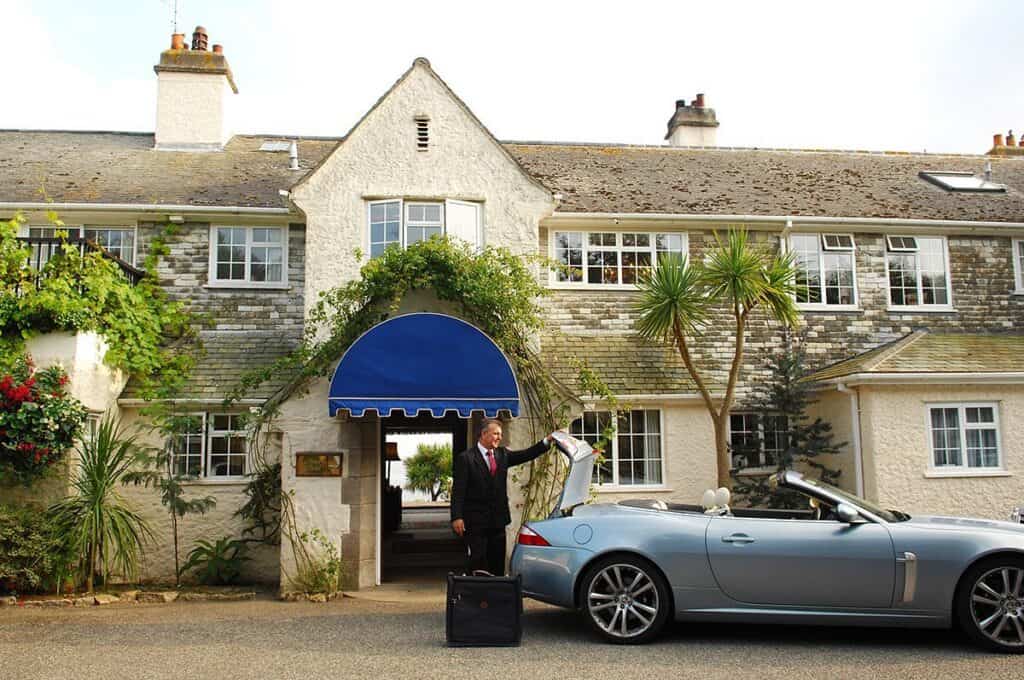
(991, 604)
(625, 599)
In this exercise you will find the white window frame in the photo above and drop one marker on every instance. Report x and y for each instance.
(612, 457)
(403, 212)
(948, 307)
(822, 250)
(211, 433)
(202, 439)
(1018, 264)
(553, 281)
(214, 282)
(965, 470)
(115, 227)
(762, 467)
(407, 223)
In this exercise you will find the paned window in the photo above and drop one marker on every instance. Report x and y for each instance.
(187, 445)
(249, 255)
(757, 440)
(209, 446)
(825, 269)
(423, 220)
(611, 258)
(918, 275)
(964, 436)
(119, 241)
(227, 451)
(42, 252)
(635, 455)
(1018, 263)
(400, 223)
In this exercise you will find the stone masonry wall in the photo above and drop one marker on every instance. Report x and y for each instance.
(981, 277)
(184, 274)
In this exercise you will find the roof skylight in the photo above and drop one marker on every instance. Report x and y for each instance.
(962, 181)
(275, 145)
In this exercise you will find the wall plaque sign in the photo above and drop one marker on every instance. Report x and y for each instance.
(318, 464)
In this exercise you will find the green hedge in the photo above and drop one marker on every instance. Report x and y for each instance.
(31, 555)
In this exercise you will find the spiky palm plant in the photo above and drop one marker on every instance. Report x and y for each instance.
(96, 521)
(678, 295)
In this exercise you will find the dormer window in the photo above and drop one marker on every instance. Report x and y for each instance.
(962, 181)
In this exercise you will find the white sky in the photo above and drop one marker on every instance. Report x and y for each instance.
(897, 74)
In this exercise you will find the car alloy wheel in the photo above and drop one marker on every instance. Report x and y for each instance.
(997, 605)
(625, 600)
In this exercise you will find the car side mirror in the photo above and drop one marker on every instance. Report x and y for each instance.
(848, 514)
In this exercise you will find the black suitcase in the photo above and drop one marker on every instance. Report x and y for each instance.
(484, 611)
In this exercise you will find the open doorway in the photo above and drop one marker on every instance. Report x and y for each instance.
(417, 543)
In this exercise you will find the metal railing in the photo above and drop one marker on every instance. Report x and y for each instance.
(45, 248)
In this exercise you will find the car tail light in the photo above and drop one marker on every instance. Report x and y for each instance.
(528, 536)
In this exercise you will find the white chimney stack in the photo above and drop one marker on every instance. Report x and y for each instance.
(193, 90)
(693, 125)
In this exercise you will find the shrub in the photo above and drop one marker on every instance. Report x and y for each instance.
(39, 420)
(318, 564)
(217, 563)
(32, 557)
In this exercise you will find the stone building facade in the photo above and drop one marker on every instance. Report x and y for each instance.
(420, 153)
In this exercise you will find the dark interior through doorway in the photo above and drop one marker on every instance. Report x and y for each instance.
(417, 543)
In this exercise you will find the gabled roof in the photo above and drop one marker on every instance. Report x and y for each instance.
(626, 363)
(924, 352)
(423, 63)
(123, 167)
(771, 182)
(112, 167)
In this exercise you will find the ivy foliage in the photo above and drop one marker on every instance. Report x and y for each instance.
(495, 290)
(88, 292)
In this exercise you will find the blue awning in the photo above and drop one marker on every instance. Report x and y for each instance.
(421, 362)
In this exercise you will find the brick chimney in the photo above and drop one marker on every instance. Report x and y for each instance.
(693, 125)
(193, 90)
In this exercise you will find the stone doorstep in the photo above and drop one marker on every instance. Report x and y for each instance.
(148, 597)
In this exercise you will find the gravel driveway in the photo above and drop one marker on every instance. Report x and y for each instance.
(348, 638)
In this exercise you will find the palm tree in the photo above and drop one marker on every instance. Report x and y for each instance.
(96, 521)
(678, 295)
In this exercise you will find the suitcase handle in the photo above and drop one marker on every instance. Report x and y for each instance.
(482, 572)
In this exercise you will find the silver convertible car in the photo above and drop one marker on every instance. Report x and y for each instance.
(631, 565)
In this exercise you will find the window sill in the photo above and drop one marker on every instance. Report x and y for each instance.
(224, 481)
(1017, 292)
(630, 488)
(939, 474)
(918, 309)
(763, 471)
(816, 307)
(242, 285)
(611, 287)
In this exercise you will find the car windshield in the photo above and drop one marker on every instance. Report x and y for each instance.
(887, 515)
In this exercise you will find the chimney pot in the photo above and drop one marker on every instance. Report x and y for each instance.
(218, 49)
(199, 38)
(1010, 139)
(700, 100)
(680, 103)
(177, 41)
(997, 140)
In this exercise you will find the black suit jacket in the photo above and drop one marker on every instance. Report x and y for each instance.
(479, 499)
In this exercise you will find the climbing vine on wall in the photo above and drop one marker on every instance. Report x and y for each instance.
(495, 290)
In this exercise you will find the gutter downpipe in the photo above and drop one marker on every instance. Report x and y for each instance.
(858, 455)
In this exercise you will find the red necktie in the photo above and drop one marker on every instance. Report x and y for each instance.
(491, 462)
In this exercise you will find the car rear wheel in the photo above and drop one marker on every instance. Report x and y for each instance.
(625, 599)
(991, 604)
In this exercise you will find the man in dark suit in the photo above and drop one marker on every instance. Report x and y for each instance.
(480, 496)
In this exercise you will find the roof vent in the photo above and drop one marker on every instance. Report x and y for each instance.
(422, 132)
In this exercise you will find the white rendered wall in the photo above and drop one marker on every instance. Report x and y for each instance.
(897, 451)
(379, 159)
(686, 135)
(191, 110)
(92, 382)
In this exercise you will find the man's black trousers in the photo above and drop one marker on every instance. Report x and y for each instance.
(485, 549)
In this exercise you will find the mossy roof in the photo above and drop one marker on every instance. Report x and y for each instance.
(926, 352)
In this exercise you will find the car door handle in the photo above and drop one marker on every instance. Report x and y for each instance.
(741, 539)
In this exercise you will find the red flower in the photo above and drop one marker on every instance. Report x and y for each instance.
(5, 384)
